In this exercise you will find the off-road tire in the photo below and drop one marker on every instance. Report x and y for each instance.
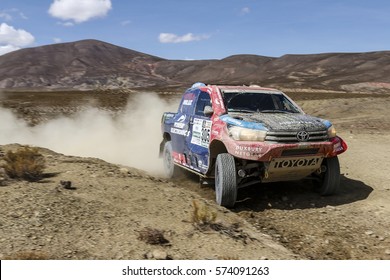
(170, 169)
(330, 180)
(225, 180)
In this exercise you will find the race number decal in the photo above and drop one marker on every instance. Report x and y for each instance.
(201, 132)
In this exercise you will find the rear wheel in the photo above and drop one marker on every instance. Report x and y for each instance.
(330, 179)
(225, 180)
(170, 169)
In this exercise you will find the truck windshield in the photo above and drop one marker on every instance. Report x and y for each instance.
(250, 102)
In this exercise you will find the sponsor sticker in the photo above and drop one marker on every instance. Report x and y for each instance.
(169, 115)
(179, 124)
(187, 102)
(310, 162)
(249, 151)
(201, 132)
(179, 131)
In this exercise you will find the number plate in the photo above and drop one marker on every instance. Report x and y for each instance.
(296, 163)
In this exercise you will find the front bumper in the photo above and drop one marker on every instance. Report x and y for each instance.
(266, 151)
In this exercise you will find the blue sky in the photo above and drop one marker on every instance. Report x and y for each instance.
(199, 29)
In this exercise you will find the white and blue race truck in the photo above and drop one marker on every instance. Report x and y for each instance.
(242, 135)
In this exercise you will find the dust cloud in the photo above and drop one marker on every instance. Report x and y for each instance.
(130, 137)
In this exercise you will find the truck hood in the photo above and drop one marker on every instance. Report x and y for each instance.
(276, 121)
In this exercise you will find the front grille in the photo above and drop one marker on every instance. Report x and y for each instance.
(299, 152)
(288, 136)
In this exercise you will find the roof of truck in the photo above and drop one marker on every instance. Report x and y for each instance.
(225, 88)
(252, 88)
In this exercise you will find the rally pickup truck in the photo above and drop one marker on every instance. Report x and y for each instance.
(237, 136)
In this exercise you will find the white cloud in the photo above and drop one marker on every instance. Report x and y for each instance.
(7, 49)
(5, 16)
(79, 10)
(16, 37)
(66, 23)
(12, 39)
(173, 38)
(125, 22)
(245, 11)
(57, 40)
(10, 14)
(22, 15)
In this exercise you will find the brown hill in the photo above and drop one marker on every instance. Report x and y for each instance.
(91, 64)
(82, 64)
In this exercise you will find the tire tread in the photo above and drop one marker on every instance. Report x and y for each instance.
(227, 179)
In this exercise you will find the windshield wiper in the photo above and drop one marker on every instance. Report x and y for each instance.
(275, 111)
(241, 111)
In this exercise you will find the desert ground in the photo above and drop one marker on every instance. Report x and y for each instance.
(115, 210)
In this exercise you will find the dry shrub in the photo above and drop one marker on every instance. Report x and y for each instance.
(152, 236)
(26, 163)
(3, 177)
(203, 219)
(202, 214)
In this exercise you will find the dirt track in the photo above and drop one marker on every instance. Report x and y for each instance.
(351, 225)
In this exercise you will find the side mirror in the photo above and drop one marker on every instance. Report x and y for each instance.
(208, 111)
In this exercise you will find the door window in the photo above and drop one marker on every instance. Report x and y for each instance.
(187, 106)
(203, 101)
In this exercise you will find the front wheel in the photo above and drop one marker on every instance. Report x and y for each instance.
(330, 180)
(170, 169)
(225, 180)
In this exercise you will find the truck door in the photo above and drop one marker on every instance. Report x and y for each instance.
(180, 125)
(198, 137)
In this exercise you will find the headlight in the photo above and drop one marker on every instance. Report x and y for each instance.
(331, 132)
(246, 134)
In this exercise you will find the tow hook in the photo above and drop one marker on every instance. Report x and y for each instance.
(241, 173)
(322, 169)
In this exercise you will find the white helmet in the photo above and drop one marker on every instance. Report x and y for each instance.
(198, 84)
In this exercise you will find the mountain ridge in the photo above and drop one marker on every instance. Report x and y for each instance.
(93, 64)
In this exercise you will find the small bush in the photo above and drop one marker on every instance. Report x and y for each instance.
(152, 236)
(26, 163)
(202, 214)
(204, 220)
(3, 177)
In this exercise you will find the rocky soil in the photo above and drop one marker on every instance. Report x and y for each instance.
(113, 212)
(117, 212)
